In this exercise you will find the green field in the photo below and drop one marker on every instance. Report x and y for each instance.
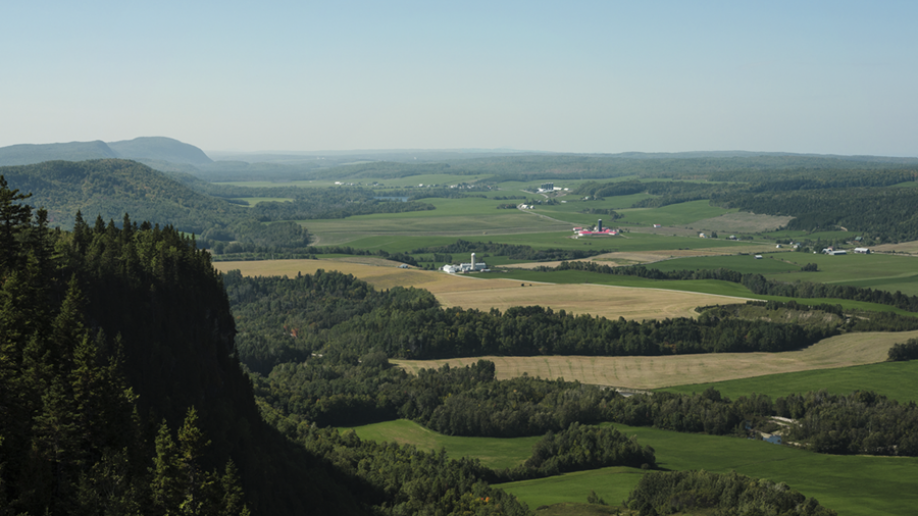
(879, 271)
(718, 287)
(852, 485)
(570, 210)
(769, 264)
(409, 181)
(672, 215)
(493, 452)
(816, 235)
(426, 180)
(412, 231)
(895, 380)
(611, 484)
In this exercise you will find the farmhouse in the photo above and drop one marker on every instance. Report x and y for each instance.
(862, 250)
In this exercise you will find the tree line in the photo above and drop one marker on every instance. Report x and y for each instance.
(861, 422)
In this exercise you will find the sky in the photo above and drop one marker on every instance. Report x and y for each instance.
(588, 77)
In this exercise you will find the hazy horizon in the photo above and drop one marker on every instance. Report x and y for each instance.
(586, 77)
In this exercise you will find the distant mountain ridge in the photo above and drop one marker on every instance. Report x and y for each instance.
(143, 149)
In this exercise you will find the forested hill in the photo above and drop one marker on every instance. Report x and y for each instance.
(120, 391)
(145, 149)
(75, 151)
(113, 187)
(160, 148)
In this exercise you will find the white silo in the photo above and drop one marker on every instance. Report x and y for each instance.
(473, 261)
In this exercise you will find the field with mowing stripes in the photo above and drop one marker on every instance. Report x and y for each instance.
(657, 372)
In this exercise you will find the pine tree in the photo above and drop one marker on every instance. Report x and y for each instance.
(191, 448)
(165, 482)
(14, 217)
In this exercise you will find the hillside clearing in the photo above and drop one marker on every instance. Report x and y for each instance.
(658, 372)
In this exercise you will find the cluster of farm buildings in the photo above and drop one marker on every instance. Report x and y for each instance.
(598, 230)
(472, 266)
(835, 252)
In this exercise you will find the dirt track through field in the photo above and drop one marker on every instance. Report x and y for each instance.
(485, 292)
(656, 372)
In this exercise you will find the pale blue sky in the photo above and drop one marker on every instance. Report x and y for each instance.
(825, 77)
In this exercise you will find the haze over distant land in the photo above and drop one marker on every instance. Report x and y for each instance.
(585, 77)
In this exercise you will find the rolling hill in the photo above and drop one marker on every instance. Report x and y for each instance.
(113, 187)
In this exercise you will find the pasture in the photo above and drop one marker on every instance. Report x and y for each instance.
(852, 485)
(456, 217)
(879, 271)
(484, 292)
(645, 373)
(895, 380)
(497, 453)
(671, 215)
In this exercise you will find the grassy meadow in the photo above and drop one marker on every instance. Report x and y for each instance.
(497, 453)
(895, 380)
(852, 485)
(879, 271)
(671, 215)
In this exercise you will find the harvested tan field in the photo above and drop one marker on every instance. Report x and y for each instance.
(379, 276)
(903, 247)
(656, 372)
(620, 259)
(598, 300)
(485, 293)
(741, 222)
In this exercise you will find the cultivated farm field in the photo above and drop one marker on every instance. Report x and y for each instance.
(484, 292)
(664, 371)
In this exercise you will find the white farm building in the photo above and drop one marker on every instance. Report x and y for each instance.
(473, 266)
